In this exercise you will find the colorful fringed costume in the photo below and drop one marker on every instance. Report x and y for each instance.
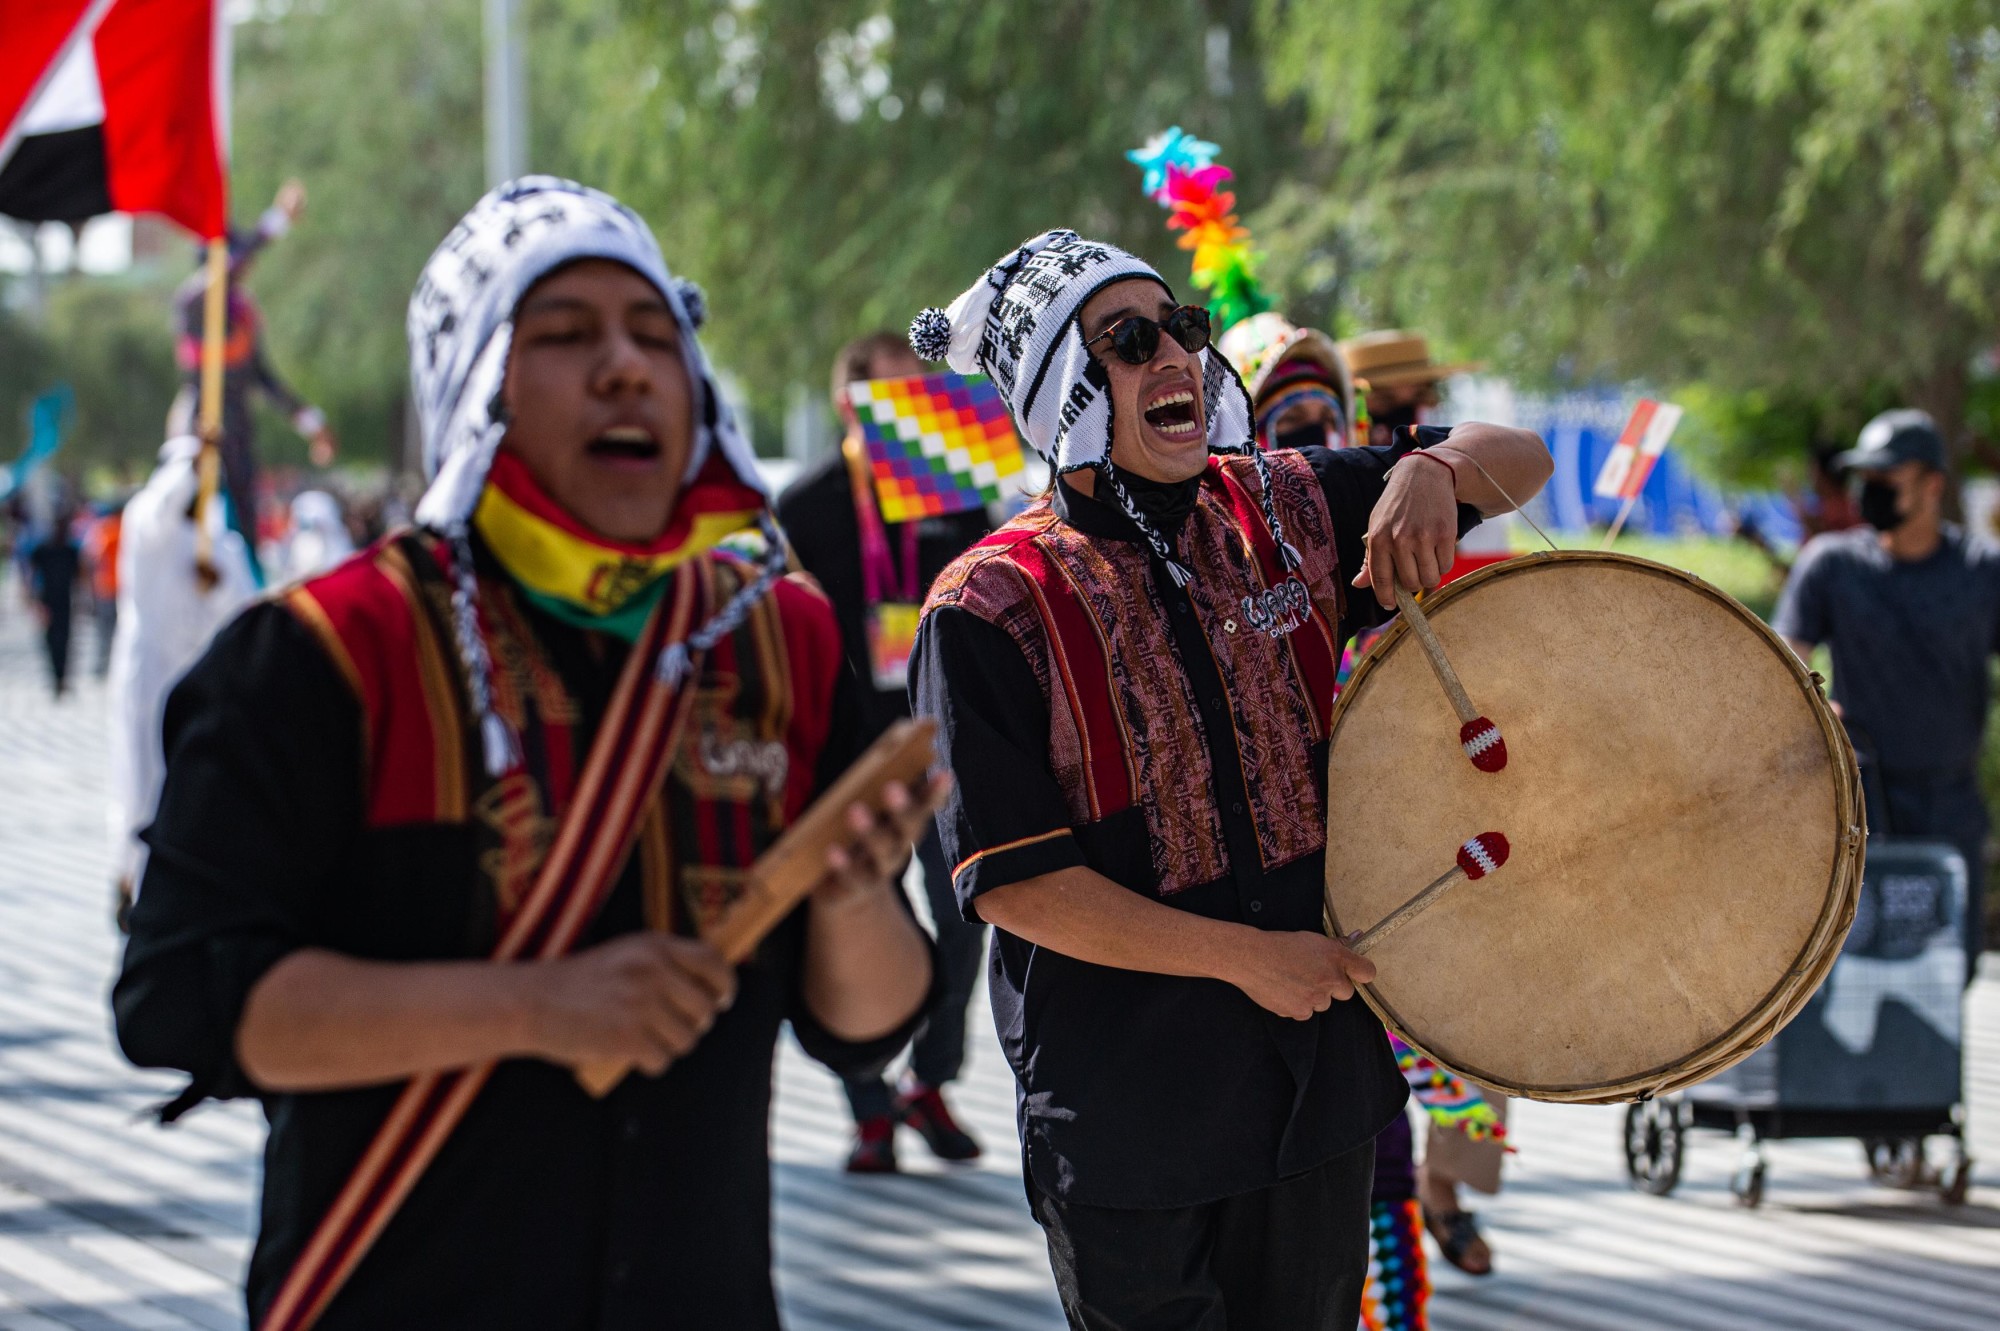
(1399, 1284)
(1449, 1099)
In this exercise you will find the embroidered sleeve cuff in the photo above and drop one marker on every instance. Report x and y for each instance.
(1013, 862)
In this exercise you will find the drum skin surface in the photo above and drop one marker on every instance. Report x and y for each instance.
(1683, 809)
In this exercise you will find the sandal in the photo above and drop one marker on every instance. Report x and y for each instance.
(1458, 1238)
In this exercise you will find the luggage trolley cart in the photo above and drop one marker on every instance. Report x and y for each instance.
(1876, 1054)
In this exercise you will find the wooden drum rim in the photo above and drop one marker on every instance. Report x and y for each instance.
(1800, 979)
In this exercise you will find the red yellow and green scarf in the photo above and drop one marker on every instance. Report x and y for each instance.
(590, 580)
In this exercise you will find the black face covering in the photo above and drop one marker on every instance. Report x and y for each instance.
(1166, 504)
(1301, 436)
(1878, 506)
(1382, 429)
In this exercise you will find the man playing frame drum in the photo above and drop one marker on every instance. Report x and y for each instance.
(1132, 683)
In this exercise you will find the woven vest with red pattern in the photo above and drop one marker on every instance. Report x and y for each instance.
(1124, 727)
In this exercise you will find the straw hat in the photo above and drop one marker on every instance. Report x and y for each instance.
(1257, 346)
(1392, 356)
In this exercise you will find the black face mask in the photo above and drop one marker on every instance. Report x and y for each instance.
(1395, 417)
(1878, 506)
(1301, 436)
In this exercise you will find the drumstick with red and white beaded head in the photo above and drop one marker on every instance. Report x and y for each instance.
(1478, 736)
(1477, 858)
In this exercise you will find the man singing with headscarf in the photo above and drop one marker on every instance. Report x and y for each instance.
(1133, 682)
(443, 827)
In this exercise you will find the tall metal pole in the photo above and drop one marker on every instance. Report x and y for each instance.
(506, 93)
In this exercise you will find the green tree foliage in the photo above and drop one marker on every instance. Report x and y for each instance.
(824, 168)
(1798, 198)
(108, 338)
(1765, 439)
(375, 105)
(117, 353)
(24, 372)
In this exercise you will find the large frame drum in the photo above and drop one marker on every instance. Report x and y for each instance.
(1683, 808)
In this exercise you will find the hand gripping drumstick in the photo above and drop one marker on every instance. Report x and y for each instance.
(1478, 736)
(1476, 858)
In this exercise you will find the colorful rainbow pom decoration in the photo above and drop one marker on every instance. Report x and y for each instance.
(1182, 176)
(1171, 147)
(1398, 1288)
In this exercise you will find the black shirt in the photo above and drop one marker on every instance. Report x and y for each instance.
(1910, 642)
(546, 1208)
(54, 562)
(1143, 1090)
(817, 511)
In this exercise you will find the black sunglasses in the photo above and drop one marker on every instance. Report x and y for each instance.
(1136, 338)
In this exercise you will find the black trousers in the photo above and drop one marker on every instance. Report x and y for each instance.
(1290, 1257)
(55, 637)
(1907, 805)
(938, 1052)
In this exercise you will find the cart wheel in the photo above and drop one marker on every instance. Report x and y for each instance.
(1896, 1162)
(1748, 1184)
(1655, 1142)
(1957, 1182)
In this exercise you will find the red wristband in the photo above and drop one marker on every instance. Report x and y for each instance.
(1426, 453)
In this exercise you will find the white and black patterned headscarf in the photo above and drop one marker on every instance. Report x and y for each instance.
(1019, 324)
(461, 329)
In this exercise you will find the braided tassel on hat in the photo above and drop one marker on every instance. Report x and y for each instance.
(1286, 549)
(1179, 572)
(501, 752)
(679, 657)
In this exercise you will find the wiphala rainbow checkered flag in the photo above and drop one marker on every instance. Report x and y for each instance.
(937, 443)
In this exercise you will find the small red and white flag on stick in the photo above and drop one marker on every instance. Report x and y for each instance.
(1632, 457)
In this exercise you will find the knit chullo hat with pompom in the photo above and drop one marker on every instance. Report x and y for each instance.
(1019, 324)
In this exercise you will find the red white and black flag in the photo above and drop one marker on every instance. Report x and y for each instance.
(113, 106)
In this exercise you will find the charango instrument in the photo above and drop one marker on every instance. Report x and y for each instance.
(1680, 810)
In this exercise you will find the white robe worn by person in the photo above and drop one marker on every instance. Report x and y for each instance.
(165, 620)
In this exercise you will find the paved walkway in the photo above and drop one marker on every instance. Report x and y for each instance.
(108, 1222)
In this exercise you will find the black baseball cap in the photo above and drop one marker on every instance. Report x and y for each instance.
(1895, 437)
